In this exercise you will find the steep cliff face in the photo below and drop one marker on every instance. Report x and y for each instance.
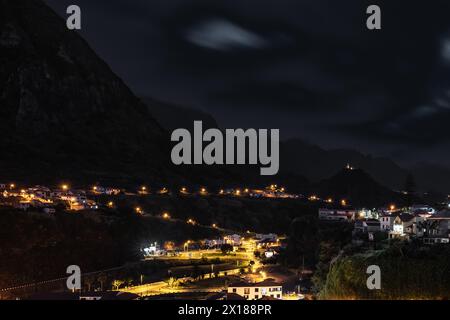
(62, 110)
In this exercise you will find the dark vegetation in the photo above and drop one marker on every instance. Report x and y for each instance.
(408, 271)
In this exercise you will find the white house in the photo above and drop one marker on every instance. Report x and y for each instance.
(255, 291)
(402, 226)
(234, 239)
(270, 236)
(212, 243)
(441, 232)
(387, 222)
(367, 226)
(336, 214)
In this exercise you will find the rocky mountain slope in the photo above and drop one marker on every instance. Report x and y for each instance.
(63, 112)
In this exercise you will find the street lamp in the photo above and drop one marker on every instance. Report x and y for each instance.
(166, 215)
(65, 187)
(186, 245)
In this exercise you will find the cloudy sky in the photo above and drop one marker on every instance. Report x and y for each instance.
(308, 67)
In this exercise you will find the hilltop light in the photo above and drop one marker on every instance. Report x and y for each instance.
(343, 202)
(214, 225)
(94, 188)
(190, 221)
(392, 207)
(183, 189)
(166, 215)
(65, 187)
(138, 209)
(12, 186)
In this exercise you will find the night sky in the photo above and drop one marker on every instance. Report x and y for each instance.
(308, 67)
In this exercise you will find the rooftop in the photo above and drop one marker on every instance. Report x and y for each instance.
(265, 283)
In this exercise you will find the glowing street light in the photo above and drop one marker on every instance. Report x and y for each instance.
(65, 187)
(12, 186)
(392, 207)
(186, 245)
(166, 216)
(163, 191)
(138, 210)
(214, 225)
(343, 202)
(110, 204)
(190, 221)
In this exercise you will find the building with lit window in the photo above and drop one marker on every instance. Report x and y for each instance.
(256, 291)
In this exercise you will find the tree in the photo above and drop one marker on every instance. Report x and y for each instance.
(172, 282)
(102, 278)
(117, 284)
(226, 248)
(89, 281)
(428, 226)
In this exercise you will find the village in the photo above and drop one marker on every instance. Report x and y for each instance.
(416, 222)
(234, 264)
(46, 198)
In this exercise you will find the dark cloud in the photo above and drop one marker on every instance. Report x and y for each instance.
(309, 67)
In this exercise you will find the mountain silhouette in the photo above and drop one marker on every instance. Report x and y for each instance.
(63, 112)
(358, 188)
